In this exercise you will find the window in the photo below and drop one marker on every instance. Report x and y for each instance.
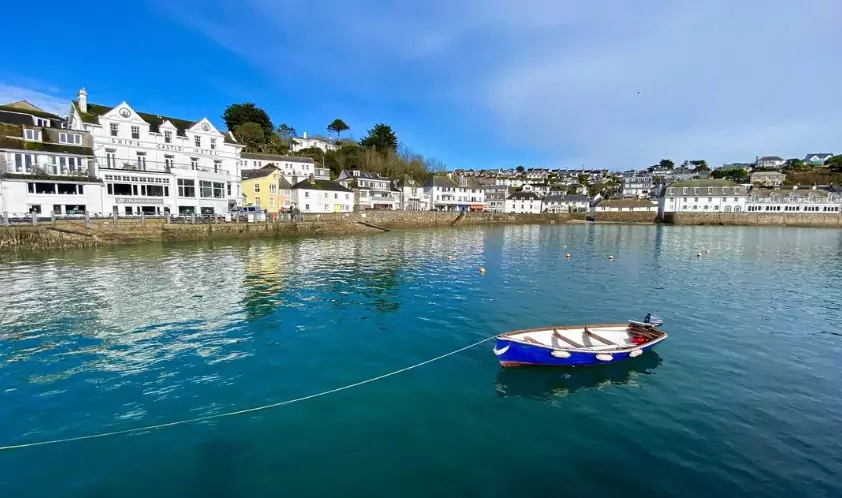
(229, 189)
(168, 137)
(217, 164)
(710, 190)
(70, 138)
(156, 191)
(306, 207)
(32, 134)
(306, 194)
(197, 140)
(213, 143)
(169, 162)
(141, 161)
(271, 202)
(114, 129)
(41, 122)
(327, 208)
(672, 190)
(135, 132)
(273, 188)
(684, 190)
(186, 188)
(695, 190)
(256, 188)
(257, 201)
(194, 163)
(211, 189)
(111, 158)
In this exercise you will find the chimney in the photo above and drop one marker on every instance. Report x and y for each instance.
(82, 97)
(304, 135)
(311, 179)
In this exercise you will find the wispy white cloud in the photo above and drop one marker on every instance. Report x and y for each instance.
(48, 101)
(719, 80)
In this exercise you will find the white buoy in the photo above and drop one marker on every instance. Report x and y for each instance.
(482, 270)
(560, 354)
(636, 353)
(604, 357)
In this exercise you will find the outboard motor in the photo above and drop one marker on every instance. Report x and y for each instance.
(653, 320)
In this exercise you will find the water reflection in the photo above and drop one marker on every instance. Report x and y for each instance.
(548, 383)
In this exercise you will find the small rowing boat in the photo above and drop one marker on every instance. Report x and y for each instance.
(579, 345)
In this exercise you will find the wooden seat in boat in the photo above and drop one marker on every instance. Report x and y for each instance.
(599, 338)
(571, 342)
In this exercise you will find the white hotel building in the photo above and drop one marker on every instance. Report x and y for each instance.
(154, 164)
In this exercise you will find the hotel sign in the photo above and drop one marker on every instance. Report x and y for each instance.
(138, 200)
(168, 147)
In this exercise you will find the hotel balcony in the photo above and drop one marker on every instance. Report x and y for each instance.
(51, 169)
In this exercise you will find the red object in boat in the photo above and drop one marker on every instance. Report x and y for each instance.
(638, 339)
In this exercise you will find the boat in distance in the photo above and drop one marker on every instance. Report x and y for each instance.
(578, 345)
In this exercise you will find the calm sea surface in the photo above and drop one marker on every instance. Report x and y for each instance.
(744, 399)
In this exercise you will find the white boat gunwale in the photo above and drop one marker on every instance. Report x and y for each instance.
(618, 348)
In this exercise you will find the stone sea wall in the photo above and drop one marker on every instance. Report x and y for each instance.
(421, 219)
(757, 219)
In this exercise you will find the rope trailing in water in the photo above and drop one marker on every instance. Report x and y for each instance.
(245, 411)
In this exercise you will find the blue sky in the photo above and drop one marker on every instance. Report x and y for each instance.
(474, 83)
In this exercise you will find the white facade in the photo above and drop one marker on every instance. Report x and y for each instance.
(565, 203)
(22, 196)
(625, 205)
(293, 168)
(412, 196)
(323, 196)
(813, 201)
(539, 189)
(703, 196)
(462, 194)
(154, 164)
(509, 181)
(523, 203)
(304, 142)
(637, 186)
(770, 162)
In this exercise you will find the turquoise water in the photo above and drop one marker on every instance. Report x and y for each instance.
(744, 399)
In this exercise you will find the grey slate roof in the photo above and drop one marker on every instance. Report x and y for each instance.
(276, 157)
(524, 196)
(320, 185)
(259, 173)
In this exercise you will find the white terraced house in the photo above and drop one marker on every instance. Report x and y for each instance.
(154, 164)
(635, 185)
(795, 200)
(702, 196)
(523, 203)
(44, 168)
(322, 196)
(371, 191)
(305, 142)
(461, 194)
(412, 196)
(293, 168)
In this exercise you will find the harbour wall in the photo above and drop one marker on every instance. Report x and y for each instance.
(68, 234)
(824, 220)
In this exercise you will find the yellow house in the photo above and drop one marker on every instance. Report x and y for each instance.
(266, 187)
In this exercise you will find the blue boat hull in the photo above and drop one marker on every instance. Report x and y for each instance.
(511, 354)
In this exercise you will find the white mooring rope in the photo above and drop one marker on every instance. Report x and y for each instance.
(241, 412)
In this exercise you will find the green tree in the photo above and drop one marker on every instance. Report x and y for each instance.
(666, 164)
(239, 114)
(834, 163)
(583, 178)
(381, 138)
(286, 132)
(338, 126)
(520, 169)
(315, 153)
(734, 174)
(251, 135)
(795, 164)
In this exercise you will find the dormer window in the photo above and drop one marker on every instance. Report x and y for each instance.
(70, 138)
(32, 134)
(197, 140)
(136, 132)
(168, 137)
(42, 122)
